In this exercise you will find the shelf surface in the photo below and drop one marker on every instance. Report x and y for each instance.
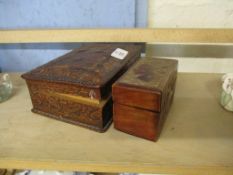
(158, 35)
(197, 136)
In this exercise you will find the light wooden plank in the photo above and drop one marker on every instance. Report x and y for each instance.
(196, 138)
(118, 35)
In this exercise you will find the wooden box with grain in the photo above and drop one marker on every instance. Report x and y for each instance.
(76, 87)
(142, 97)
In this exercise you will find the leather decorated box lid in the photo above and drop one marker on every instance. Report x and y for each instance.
(147, 84)
(90, 66)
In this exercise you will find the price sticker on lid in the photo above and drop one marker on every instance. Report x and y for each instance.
(119, 53)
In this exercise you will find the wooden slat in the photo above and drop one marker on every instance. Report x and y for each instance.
(118, 35)
(121, 167)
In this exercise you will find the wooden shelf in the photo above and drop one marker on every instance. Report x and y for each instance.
(196, 138)
(158, 35)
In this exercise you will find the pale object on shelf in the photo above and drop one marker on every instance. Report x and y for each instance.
(45, 172)
(5, 87)
(227, 92)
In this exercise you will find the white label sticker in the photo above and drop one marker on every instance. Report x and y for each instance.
(119, 53)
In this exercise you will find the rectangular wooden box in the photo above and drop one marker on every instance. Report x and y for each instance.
(143, 95)
(76, 87)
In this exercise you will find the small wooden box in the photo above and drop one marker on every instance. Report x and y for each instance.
(142, 97)
(76, 87)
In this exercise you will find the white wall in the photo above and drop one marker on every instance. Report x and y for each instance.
(194, 14)
(191, 13)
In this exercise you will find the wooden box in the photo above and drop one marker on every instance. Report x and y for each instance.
(143, 95)
(76, 87)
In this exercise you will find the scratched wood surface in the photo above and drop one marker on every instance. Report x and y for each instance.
(196, 138)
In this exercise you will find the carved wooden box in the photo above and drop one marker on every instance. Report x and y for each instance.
(76, 87)
(143, 95)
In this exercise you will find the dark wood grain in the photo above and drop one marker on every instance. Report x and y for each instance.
(89, 68)
(3, 171)
(76, 87)
(146, 83)
(93, 116)
(135, 121)
(136, 96)
(143, 95)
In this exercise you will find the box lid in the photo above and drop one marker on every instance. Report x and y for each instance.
(89, 66)
(144, 84)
